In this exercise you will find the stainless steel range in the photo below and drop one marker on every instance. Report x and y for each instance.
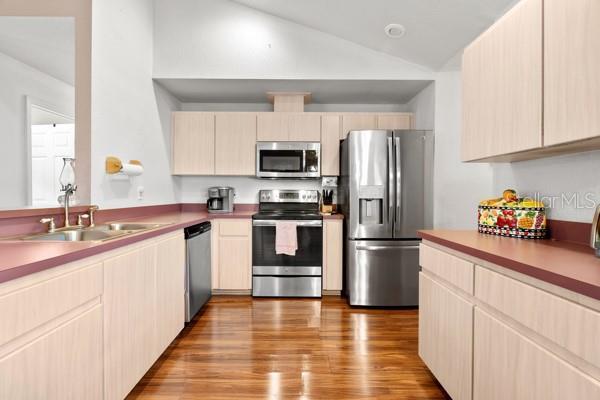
(281, 275)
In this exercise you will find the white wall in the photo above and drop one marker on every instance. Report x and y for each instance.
(560, 178)
(130, 114)
(458, 187)
(222, 39)
(18, 80)
(423, 108)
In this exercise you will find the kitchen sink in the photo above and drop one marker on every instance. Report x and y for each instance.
(97, 233)
(79, 235)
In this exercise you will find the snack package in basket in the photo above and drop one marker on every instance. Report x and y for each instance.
(512, 216)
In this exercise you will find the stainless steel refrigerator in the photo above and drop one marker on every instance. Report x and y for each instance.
(385, 193)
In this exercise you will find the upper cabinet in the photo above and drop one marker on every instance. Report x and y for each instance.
(357, 121)
(571, 68)
(530, 85)
(193, 145)
(235, 143)
(395, 121)
(502, 86)
(283, 126)
(224, 143)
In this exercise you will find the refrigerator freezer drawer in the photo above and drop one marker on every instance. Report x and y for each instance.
(383, 273)
(286, 286)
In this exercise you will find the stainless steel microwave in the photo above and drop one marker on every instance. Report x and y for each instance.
(300, 160)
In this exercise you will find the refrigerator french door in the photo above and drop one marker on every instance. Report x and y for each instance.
(385, 193)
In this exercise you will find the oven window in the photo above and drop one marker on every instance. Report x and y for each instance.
(309, 253)
(281, 161)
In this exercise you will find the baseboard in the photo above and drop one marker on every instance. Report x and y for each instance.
(332, 292)
(231, 292)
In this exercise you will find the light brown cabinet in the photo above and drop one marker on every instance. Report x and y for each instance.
(193, 143)
(357, 121)
(502, 86)
(508, 365)
(143, 309)
(330, 144)
(445, 336)
(395, 121)
(235, 144)
(332, 255)
(284, 126)
(571, 65)
(232, 255)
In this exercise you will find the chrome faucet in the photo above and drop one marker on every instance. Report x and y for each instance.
(69, 190)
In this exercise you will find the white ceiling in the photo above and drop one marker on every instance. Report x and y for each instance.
(323, 91)
(44, 43)
(435, 29)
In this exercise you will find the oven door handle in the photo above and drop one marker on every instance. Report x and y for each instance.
(272, 222)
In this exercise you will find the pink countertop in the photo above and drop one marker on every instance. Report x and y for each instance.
(19, 258)
(569, 265)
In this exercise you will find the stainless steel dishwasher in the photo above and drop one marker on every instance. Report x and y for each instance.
(197, 276)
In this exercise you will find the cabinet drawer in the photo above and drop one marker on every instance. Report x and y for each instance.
(507, 365)
(567, 324)
(234, 227)
(40, 302)
(453, 269)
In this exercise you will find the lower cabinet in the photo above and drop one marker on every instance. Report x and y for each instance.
(507, 340)
(446, 336)
(92, 328)
(508, 365)
(143, 310)
(332, 255)
(232, 254)
(64, 363)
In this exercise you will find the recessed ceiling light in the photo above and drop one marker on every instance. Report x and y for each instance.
(395, 31)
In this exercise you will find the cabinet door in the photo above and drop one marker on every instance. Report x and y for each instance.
(235, 144)
(272, 127)
(129, 319)
(170, 290)
(571, 65)
(502, 86)
(305, 127)
(356, 121)
(235, 255)
(394, 121)
(507, 365)
(330, 145)
(65, 363)
(193, 143)
(446, 336)
(332, 254)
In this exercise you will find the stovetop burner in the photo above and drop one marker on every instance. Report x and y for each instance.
(288, 204)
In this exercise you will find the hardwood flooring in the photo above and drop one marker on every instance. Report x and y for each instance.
(245, 348)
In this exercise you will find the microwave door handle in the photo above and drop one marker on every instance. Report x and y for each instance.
(390, 187)
(398, 180)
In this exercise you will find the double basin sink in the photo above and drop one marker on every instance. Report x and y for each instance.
(97, 233)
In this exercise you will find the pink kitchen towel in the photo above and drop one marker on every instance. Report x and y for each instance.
(286, 237)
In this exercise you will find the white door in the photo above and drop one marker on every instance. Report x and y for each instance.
(49, 144)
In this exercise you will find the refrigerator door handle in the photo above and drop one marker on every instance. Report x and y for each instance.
(398, 179)
(375, 248)
(390, 182)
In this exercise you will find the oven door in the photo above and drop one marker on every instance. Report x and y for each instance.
(288, 160)
(309, 256)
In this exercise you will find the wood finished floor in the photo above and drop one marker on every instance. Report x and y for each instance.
(245, 348)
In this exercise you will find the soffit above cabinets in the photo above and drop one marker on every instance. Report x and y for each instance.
(323, 91)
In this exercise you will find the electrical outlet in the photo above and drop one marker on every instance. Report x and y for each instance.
(140, 192)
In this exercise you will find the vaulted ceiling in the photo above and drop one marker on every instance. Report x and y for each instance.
(435, 29)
